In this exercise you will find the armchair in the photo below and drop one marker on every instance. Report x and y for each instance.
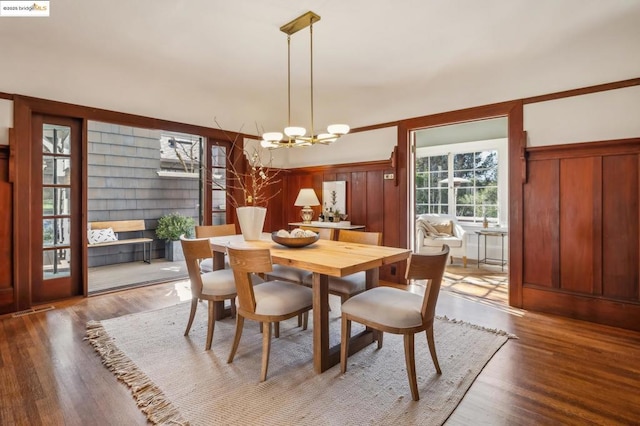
(434, 230)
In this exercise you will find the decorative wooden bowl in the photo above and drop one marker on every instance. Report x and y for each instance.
(294, 242)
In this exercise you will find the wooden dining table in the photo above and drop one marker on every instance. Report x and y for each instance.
(324, 258)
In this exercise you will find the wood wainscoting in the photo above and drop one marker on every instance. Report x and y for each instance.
(7, 293)
(581, 232)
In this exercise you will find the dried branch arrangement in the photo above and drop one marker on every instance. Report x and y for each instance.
(255, 181)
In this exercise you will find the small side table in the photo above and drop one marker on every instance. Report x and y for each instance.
(486, 233)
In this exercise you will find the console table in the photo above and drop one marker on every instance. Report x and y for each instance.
(335, 225)
(486, 233)
(332, 225)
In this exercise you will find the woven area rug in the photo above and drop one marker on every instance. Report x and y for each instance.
(175, 381)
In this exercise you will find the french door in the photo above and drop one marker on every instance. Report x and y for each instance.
(57, 209)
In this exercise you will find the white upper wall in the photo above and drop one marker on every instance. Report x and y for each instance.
(194, 61)
(6, 120)
(614, 114)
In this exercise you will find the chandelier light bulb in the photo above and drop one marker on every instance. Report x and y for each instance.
(269, 144)
(338, 129)
(272, 136)
(294, 132)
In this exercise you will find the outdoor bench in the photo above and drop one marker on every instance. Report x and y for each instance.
(103, 234)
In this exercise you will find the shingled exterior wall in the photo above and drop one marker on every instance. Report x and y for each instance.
(123, 184)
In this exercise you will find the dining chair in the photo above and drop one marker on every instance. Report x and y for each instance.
(208, 231)
(392, 310)
(214, 286)
(296, 275)
(349, 286)
(268, 302)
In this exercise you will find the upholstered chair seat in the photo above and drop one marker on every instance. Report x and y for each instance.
(288, 273)
(349, 285)
(217, 283)
(390, 306)
(280, 298)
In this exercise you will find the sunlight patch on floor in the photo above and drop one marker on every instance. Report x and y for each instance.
(182, 289)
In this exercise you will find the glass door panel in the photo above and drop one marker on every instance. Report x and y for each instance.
(57, 252)
(56, 191)
(218, 173)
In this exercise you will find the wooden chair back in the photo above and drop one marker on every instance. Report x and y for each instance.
(244, 262)
(324, 233)
(208, 231)
(360, 237)
(194, 251)
(428, 267)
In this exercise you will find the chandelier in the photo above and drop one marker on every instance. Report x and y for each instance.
(295, 136)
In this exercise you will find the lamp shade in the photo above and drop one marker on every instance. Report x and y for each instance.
(307, 197)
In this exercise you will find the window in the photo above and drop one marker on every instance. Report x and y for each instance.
(468, 181)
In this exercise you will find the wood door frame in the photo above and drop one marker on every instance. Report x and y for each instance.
(513, 111)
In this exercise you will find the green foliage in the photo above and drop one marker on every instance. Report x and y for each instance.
(172, 225)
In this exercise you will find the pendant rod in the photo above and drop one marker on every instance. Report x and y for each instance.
(311, 73)
(289, 78)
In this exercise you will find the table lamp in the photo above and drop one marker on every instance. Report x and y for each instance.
(306, 198)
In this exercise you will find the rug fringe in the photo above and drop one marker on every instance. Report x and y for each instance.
(478, 327)
(148, 396)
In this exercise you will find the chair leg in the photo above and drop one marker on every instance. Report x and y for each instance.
(266, 348)
(236, 338)
(233, 308)
(464, 261)
(299, 320)
(192, 314)
(344, 343)
(432, 348)
(276, 330)
(211, 323)
(305, 320)
(410, 360)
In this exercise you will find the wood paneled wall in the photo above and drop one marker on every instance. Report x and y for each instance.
(371, 201)
(6, 235)
(581, 223)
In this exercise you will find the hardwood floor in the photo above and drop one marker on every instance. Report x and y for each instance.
(559, 371)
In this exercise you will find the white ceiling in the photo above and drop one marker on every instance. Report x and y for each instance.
(375, 61)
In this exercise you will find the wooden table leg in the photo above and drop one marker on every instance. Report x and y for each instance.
(372, 278)
(325, 357)
(320, 322)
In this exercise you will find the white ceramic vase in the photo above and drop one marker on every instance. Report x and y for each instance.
(251, 220)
